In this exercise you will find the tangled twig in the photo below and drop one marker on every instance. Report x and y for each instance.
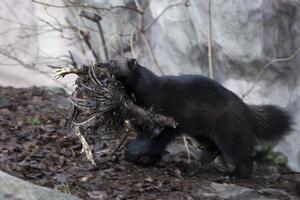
(103, 98)
(258, 75)
(85, 146)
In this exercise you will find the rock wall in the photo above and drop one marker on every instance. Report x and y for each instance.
(23, 28)
(246, 36)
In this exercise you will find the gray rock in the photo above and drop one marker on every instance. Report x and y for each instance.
(246, 36)
(233, 192)
(278, 194)
(5, 103)
(12, 188)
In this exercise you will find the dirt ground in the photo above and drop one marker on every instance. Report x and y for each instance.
(35, 146)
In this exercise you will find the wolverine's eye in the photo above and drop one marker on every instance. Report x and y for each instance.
(112, 63)
(134, 62)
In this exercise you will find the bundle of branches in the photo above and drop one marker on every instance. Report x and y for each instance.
(101, 97)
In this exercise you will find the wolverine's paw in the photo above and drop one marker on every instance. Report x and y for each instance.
(207, 156)
(226, 178)
(150, 160)
(141, 151)
(144, 160)
(137, 148)
(231, 177)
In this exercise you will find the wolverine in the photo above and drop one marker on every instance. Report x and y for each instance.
(205, 110)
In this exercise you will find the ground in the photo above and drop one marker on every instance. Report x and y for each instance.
(35, 146)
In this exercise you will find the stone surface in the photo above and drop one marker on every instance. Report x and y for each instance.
(223, 191)
(22, 27)
(246, 36)
(18, 189)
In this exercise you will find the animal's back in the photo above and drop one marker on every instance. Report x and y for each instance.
(194, 101)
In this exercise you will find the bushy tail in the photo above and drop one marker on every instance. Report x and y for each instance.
(272, 122)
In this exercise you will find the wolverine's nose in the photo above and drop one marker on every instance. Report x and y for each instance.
(112, 63)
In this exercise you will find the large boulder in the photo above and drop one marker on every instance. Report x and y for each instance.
(246, 36)
(224, 191)
(15, 188)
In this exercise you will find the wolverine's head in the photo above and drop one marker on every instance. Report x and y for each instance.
(122, 68)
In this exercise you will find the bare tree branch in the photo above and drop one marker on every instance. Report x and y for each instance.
(187, 148)
(79, 5)
(144, 37)
(134, 55)
(86, 38)
(97, 19)
(151, 53)
(74, 63)
(85, 146)
(210, 48)
(163, 11)
(120, 37)
(28, 66)
(258, 75)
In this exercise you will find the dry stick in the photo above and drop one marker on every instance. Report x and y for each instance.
(150, 25)
(77, 35)
(85, 146)
(74, 64)
(61, 72)
(31, 67)
(97, 19)
(163, 11)
(210, 61)
(86, 39)
(143, 29)
(137, 4)
(150, 51)
(144, 37)
(78, 5)
(102, 38)
(131, 43)
(159, 119)
(187, 149)
(265, 67)
(120, 34)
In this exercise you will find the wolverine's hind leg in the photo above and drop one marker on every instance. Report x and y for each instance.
(235, 140)
(210, 150)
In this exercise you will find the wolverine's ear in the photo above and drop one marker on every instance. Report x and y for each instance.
(132, 63)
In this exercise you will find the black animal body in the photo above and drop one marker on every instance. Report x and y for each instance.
(205, 110)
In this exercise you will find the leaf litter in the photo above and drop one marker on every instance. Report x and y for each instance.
(35, 146)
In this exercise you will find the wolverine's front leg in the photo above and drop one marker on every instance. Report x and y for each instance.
(145, 151)
(139, 151)
(210, 150)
